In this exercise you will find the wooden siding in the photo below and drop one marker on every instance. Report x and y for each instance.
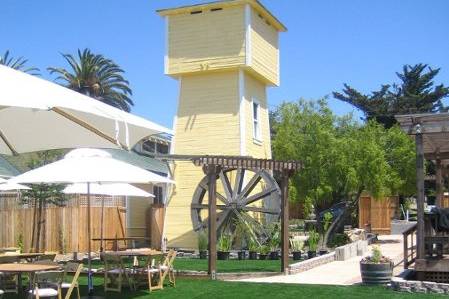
(378, 213)
(65, 227)
(207, 123)
(264, 49)
(255, 90)
(209, 40)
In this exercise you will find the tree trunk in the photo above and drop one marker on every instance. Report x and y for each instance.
(338, 224)
(33, 233)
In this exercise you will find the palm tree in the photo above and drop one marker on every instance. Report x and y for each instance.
(17, 63)
(97, 77)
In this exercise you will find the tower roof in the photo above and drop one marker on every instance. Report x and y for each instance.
(225, 3)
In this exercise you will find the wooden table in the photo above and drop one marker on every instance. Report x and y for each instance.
(134, 253)
(124, 239)
(25, 268)
(24, 256)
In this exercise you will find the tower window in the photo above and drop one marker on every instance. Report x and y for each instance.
(256, 121)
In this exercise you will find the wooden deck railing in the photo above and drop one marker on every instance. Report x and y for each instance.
(409, 246)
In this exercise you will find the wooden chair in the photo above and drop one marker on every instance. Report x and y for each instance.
(46, 284)
(9, 281)
(115, 274)
(47, 257)
(69, 286)
(168, 269)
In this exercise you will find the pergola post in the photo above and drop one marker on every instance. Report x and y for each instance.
(420, 191)
(284, 221)
(211, 171)
(439, 183)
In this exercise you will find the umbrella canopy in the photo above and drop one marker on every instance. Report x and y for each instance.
(7, 186)
(116, 189)
(89, 166)
(36, 114)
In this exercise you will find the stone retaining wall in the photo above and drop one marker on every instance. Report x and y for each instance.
(311, 263)
(351, 250)
(415, 286)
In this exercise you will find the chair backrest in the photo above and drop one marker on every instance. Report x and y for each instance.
(48, 278)
(47, 257)
(6, 259)
(76, 268)
(112, 262)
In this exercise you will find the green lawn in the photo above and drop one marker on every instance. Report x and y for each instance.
(189, 288)
(230, 266)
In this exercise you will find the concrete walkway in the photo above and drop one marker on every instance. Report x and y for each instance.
(340, 272)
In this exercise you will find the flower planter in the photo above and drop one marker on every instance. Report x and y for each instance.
(253, 255)
(263, 256)
(203, 254)
(274, 255)
(311, 254)
(296, 255)
(223, 255)
(241, 255)
(323, 251)
(376, 273)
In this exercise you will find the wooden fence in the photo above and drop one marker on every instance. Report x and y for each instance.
(64, 229)
(377, 213)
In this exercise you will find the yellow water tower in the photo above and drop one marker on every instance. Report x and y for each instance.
(224, 54)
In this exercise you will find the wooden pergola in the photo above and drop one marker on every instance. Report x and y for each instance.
(212, 165)
(431, 135)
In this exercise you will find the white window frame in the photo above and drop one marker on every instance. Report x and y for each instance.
(257, 128)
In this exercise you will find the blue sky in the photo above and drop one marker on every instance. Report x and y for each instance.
(328, 43)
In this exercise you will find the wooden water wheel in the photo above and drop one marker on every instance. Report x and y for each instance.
(250, 196)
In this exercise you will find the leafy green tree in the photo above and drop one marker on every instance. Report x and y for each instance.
(97, 77)
(415, 93)
(341, 158)
(17, 63)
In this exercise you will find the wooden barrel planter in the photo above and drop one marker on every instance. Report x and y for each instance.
(376, 273)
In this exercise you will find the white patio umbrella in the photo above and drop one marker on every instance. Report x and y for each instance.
(7, 186)
(110, 189)
(89, 166)
(36, 114)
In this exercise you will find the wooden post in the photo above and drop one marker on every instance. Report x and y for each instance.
(284, 221)
(90, 286)
(212, 225)
(439, 183)
(420, 192)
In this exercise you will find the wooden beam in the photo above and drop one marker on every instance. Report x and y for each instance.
(439, 183)
(212, 225)
(284, 221)
(420, 194)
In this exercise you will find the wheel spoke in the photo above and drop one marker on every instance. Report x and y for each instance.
(260, 195)
(249, 187)
(205, 207)
(238, 183)
(221, 219)
(220, 196)
(227, 186)
(262, 210)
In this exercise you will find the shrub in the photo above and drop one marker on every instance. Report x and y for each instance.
(314, 238)
(338, 240)
(202, 241)
(224, 242)
(296, 245)
(376, 257)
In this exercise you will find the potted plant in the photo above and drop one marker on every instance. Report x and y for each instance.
(376, 269)
(314, 238)
(263, 252)
(202, 244)
(224, 246)
(327, 221)
(253, 247)
(240, 237)
(274, 241)
(296, 247)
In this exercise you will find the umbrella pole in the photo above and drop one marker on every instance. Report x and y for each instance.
(89, 257)
(102, 224)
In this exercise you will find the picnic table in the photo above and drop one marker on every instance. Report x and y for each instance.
(27, 269)
(30, 256)
(131, 253)
(122, 239)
